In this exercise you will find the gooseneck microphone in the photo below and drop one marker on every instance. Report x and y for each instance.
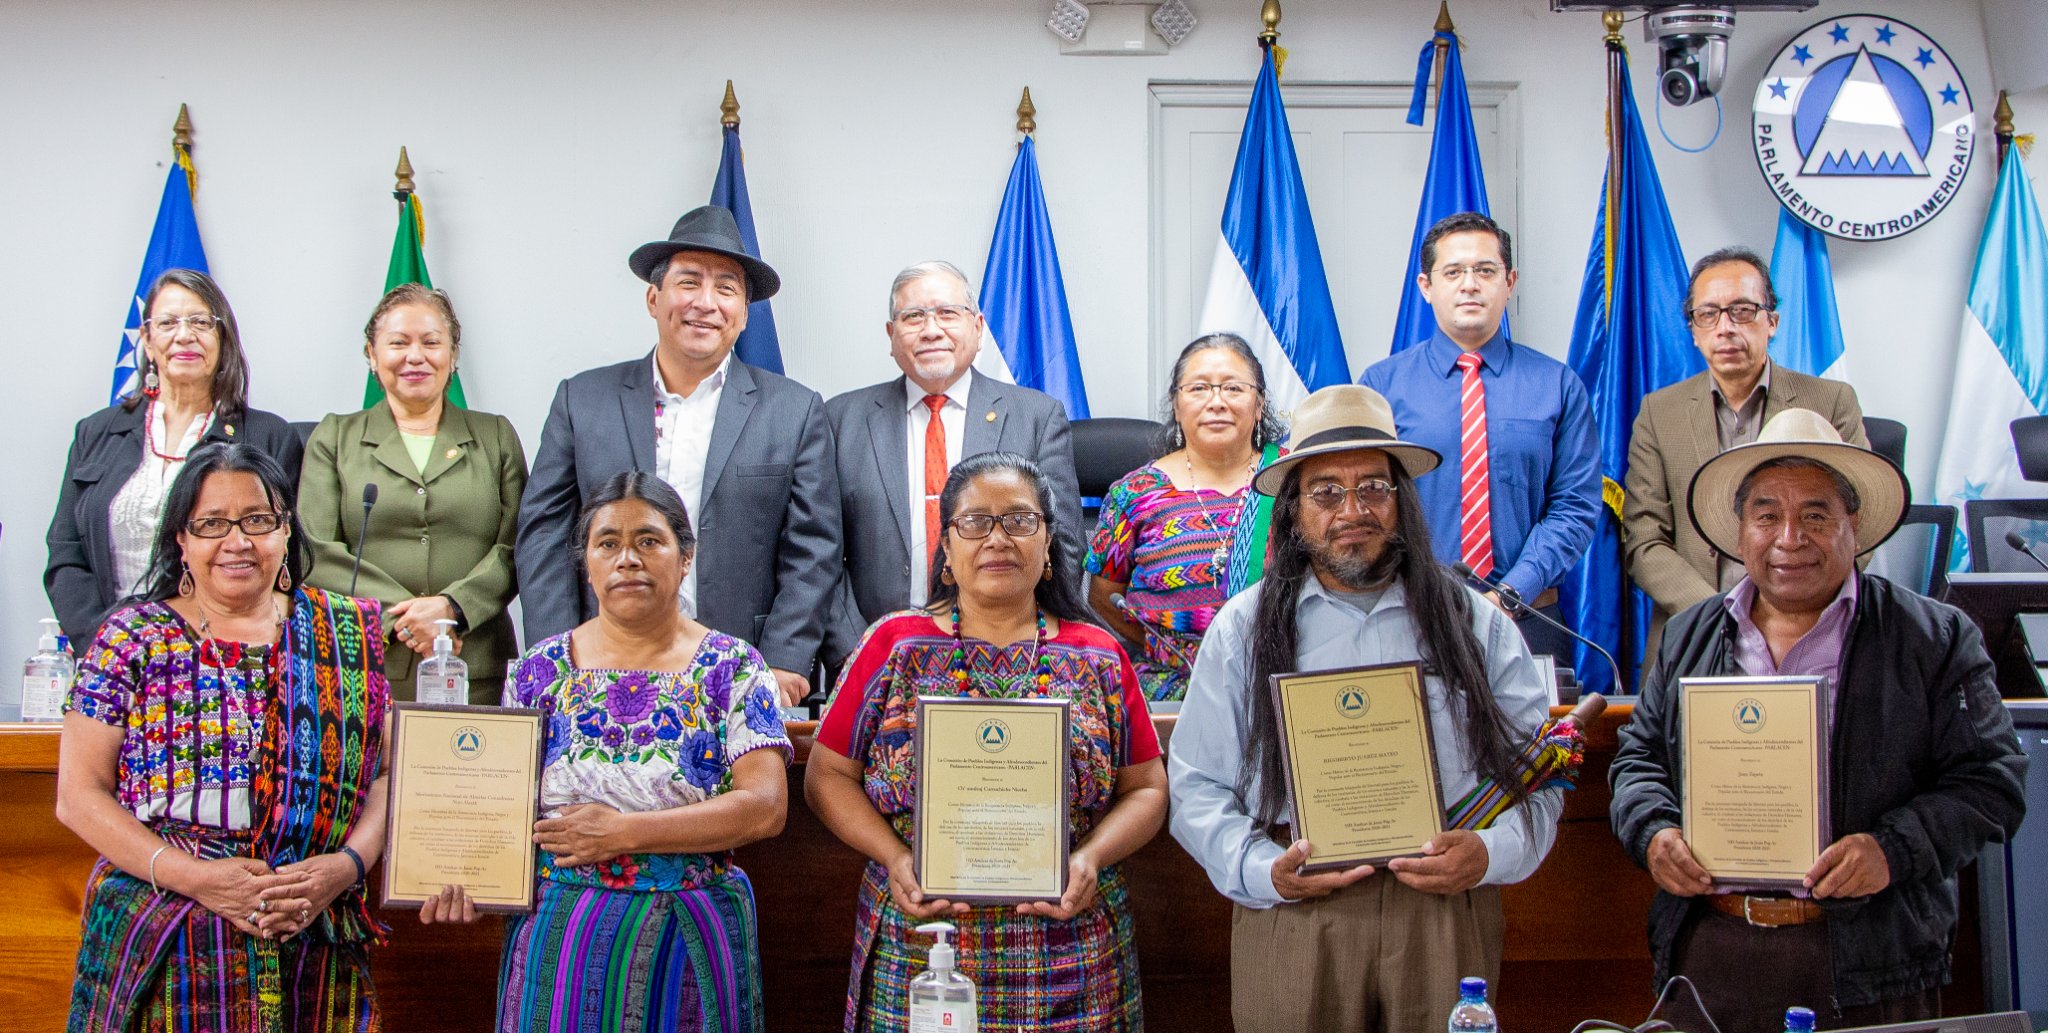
(369, 499)
(1516, 605)
(2019, 544)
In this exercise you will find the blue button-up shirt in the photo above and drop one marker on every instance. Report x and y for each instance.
(1542, 452)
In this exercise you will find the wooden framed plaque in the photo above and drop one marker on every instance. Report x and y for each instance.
(1360, 762)
(1754, 778)
(465, 784)
(991, 799)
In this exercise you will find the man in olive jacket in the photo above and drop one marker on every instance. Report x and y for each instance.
(1923, 766)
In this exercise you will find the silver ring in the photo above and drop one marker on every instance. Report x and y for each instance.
(253, 916)
(405, 633)
(262, 906)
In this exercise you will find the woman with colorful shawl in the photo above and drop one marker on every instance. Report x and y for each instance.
(1005, 622)
(223, 751)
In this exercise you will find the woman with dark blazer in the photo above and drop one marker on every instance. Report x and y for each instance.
(191, 389)
(439, 544)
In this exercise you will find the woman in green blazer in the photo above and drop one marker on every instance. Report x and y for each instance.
(439, 544)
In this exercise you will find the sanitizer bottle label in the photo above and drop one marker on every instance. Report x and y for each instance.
(936, 1017)
(42, 698)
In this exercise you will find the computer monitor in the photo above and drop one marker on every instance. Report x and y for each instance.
(1995, 601)
(2003, 1022)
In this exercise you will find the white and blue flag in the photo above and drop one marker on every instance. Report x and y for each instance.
(1025, 298)
(1809, 338)
(1267, 284)
(173, 244)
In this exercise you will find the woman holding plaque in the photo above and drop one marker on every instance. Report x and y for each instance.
(1005, 622)
(665, 752)
(223, 751)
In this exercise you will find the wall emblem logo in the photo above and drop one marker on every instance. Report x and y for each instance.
(1863, 127)
(1749, 716)
(993, 735)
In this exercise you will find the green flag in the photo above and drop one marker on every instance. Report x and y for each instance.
(409, 265)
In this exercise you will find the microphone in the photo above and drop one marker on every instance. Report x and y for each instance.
(1515, 604)
(2019, 544)
(369, 499)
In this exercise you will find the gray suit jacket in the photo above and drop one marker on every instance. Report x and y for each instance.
(768, 529)
(868, 441)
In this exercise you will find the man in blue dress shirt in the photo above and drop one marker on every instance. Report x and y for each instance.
(1519, 503)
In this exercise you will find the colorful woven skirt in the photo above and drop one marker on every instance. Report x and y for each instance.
(1029, 972)
(596, 960)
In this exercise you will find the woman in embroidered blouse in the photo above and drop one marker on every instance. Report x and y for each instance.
(1166, 529)
(223, 751)
(1004, 621)
(665, 752)
(190, 388)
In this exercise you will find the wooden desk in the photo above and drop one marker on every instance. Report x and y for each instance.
(1576, 946)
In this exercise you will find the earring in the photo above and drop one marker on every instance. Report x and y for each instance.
(284, 578)
(185, 586)
(945, 570)
(1048, 571)
(151, 387)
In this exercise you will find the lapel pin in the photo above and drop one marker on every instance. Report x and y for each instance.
(230, 428)
(991, 417)
(453, 452)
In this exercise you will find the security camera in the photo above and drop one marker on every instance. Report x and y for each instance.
(1692, 43)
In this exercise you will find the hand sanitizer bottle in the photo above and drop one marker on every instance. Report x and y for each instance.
(444, 677)
(46, 677)
(941, 999)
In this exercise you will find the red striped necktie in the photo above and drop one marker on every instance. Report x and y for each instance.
(1475, 499)
(934, 471)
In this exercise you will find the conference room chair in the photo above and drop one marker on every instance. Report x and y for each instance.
(1105, 449)
(1917, 554)
(2030, 440)
(305, 429)
(1887, 438)
(1988, 521)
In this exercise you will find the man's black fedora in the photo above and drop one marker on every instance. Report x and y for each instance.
(711, 229)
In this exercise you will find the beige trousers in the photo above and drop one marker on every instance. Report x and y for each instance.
(1376, 956)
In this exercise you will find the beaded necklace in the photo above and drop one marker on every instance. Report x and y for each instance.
(960, 673)
(149, 433)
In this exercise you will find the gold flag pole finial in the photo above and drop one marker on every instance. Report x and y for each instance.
(2002, 128)
(1443, 46)
(729, 108)
(181, 130)
(1269, 16)
(404, 185)
(1443, 18)
(1027, 114)
(1612, 20)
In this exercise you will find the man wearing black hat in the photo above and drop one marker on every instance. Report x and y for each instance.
(1922, 765)
(748, 450)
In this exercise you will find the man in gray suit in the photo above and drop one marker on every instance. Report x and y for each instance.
(896, 441)
(747, 450)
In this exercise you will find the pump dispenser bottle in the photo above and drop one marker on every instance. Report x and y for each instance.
(444, 677)
(46, 677)
(941, 999)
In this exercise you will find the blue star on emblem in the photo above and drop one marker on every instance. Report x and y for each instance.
(1925, 57)
(1839, 34)
(1949, 94)
(1885, 34)
(1779, 90)
(1802, 55)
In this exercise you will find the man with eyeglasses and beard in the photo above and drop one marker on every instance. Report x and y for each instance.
(1352, 581)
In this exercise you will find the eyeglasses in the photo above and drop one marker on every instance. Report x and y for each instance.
(1370, 493)
(976, 526)
(1233, 390)
(255, 525)
(1484, 272)
(1742, 313)
(947, 315)
(200, 324)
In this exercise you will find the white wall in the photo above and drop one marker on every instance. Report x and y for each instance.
(552, 138)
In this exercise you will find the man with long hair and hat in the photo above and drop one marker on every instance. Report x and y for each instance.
(1352, 581)
(1923, 767)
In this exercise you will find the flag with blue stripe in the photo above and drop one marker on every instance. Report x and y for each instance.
(1267, 283)
(173, 244)
(2002, 358)
(1809, 337)
(1024, 296)
(1455, 182)
(1628, 340)
(757, 345)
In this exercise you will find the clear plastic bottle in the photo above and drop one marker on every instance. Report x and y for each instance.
(941, 999)
(1472, 1014)
(46, 677)
(444, 677)
(1798, 1020)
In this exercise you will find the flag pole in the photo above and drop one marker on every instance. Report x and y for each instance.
(1444, 26)
(1027, 114)
(729, 108)
(181, 148)
(402, 185)
(2002, 128)
(1269, 15)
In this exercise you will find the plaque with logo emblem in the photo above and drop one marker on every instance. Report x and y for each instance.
(1360, 763)
(991, 819)
(465, 782)
(1753, 785)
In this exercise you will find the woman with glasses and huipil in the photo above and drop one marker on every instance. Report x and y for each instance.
(1163, 541)
(223, 751)
(1005, 622)
(190, 388)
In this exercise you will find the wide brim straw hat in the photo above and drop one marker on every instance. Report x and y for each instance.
(1345, 418)
(1880, 485)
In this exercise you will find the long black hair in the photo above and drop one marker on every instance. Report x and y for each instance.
(1440, 610)
(1269, 427)
(636, 486)
(230, 372)
(167, 558)
(1061, 595)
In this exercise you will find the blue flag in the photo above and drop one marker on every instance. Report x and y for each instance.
(1628, 340)
(173, 244)
(1024, 297)
(1455, 182)
(1267, 283)
(1809, 338)
(757, 345)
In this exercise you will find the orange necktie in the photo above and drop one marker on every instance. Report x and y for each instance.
(934, 470)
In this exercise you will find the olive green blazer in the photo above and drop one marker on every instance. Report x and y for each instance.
(445, 531)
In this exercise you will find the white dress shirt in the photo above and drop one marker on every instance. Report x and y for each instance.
(682, 443)
(1217, 827)
(916, 418)
(138, 507)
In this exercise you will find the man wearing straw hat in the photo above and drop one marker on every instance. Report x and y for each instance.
(1923, 765)
(1352, 581)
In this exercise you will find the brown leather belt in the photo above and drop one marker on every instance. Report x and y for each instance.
(1768, 912)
